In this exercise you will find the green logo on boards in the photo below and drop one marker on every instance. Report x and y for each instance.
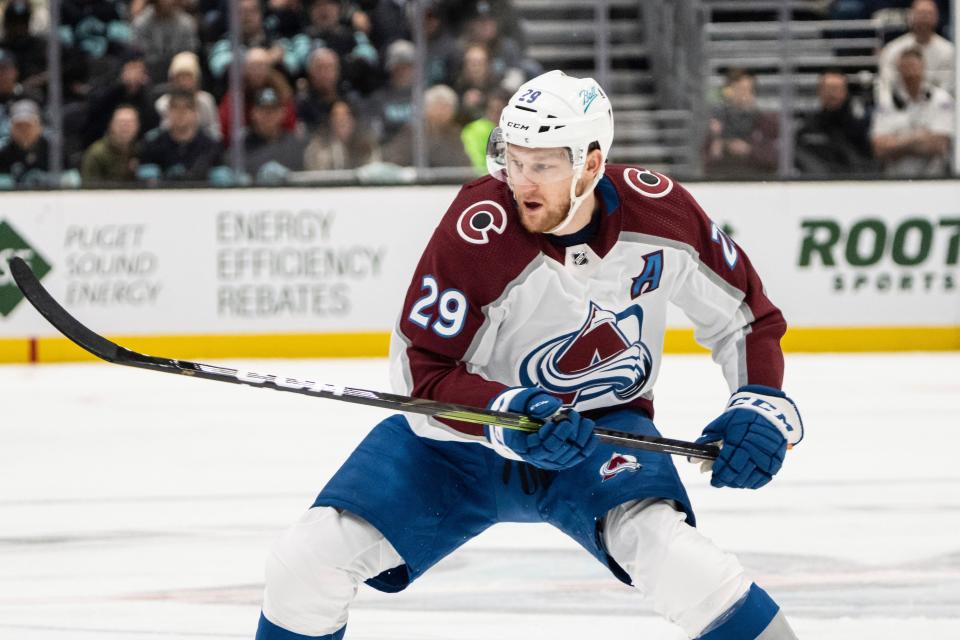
(13, 245)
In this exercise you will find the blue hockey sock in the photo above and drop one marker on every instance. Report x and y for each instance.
(266, 630)
(746, 619)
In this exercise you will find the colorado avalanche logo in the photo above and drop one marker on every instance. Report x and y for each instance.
(479, 219)
(596, 360)
(648, 183)
(618, 463)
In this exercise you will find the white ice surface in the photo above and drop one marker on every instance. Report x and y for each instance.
(139, 506)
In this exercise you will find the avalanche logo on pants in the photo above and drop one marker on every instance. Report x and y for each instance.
(597, 359)
(618, 463)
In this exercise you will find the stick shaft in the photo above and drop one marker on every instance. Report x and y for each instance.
(107, 350)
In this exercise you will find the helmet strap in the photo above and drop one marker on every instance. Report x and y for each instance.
(575, 200)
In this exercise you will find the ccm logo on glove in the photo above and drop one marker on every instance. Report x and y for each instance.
(778, 409)
(754, 433)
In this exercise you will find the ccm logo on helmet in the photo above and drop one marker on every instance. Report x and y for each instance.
(517, 125)
(648, 183)
(479, 219)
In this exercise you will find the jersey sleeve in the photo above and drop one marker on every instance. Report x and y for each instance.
(723, 296)
(443, 326)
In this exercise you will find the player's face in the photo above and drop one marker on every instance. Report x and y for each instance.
(540, 181)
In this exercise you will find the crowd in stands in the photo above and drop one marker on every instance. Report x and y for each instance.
(327, 85)
(902, 126)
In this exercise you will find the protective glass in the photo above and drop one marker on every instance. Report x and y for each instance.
(519, 166)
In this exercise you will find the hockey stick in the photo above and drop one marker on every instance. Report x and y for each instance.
(104, 349)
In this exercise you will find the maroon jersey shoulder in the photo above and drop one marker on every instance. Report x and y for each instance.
(656, 204)
(480, 244)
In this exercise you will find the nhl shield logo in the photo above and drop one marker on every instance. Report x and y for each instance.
(604, 356)
(618, 463)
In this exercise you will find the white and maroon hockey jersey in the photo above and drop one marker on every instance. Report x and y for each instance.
(492, 305)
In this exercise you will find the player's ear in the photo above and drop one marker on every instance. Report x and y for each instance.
(594, 162)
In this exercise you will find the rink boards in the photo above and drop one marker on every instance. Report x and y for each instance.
(863, 266)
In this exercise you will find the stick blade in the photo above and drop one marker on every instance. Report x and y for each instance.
(56, 315)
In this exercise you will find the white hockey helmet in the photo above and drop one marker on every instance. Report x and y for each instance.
(555, 110)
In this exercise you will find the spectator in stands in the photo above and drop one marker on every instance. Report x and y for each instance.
(162, 31)
(938, 52)
(444, 147)
(388, 22)
(476, 134)
(11, 91)
(114, 158)
(76, 106)
(325, 24)
(133, 87)
(25, 158)
(181, 152)
(913, 125)
(506, 57)
(184, 74)
(28, 50)
(459, 13)
(391, 106)
(258, 73)
(321, 89)
(211, 19)
(342, 145)
(443, 50)
(835, 140)
(283, 18)
(475, 81)
(271, 150)
(99, 29)
(741, 139)
(253, 36)
(359, 58)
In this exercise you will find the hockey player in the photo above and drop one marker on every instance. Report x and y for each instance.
(545, 286)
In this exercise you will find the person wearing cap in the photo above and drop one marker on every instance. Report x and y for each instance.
(163, 30)
(182, 151)
(25, 157)
(11, 91)
(133, 87)
(267, 141)
(114, 157)
(184, 74)
(258, 73)
(29, 50)
(391, 107)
